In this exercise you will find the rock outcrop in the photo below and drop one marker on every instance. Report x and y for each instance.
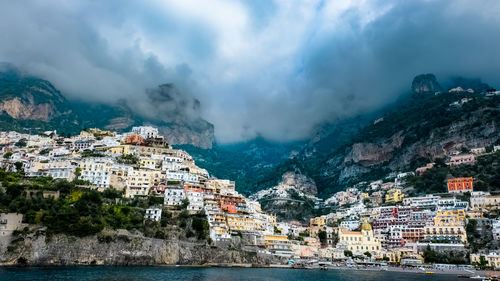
(477, 129)
(374, 153)
(17, 109)
(425, 83)
(300, 182)
(200, 134)
(175, 114)
(121, 248)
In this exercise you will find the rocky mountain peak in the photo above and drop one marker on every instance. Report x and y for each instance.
(28, 99)
(425, 83)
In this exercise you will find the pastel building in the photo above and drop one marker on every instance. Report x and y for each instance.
(359, 242)
(174, 196)
(97, 171)
(393, 195)
(10, 222)
(153, 214)
(460, 185)
(146, 131)
(462, 159)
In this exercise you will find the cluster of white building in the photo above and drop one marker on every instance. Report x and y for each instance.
(139, 163)
(374, 221)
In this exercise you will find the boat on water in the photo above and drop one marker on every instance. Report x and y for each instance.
(429, 272)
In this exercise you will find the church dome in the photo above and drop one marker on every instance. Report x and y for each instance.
(366, 226)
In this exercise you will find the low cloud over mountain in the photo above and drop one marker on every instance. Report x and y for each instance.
(259, 68)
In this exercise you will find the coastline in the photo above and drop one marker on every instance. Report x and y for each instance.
(270, 266)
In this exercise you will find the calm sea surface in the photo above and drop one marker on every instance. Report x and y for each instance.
(169, 273)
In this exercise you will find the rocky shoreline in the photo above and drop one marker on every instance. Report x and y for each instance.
(122, 248)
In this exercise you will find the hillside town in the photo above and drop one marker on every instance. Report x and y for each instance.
(373, 223)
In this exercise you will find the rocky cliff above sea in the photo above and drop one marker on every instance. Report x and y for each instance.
(425, 124)
(121, 248)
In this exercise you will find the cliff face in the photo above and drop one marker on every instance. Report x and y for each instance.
(425, 83)
(28, 111)
(374, 153)
(300, 182)
(31, 99)
(121, 248)
(200, 135)
(362, 158)
(412, 132)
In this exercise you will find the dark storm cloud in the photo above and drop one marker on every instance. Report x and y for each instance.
(269, 68)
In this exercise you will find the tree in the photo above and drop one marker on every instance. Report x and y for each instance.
(185, 203)
(429, 255)
(22, 142)
(201, 226)
(483, 263)
(277, 230)
(7, 155)
(347, 253)
(322, 237)
(155, 200)
(19, 166)
(78, 172)
(367, 254)
(111, 193)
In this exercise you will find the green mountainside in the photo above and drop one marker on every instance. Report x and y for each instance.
(413, 132)
(29, 104)
(250, 164)
(421, 126)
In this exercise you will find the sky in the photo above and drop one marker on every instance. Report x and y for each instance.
(274, 69)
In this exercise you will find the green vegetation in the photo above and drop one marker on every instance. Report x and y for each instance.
(482, 264)
(82, 212)
(322, 237)
(431, 256)
(128, 159)
(91, 153)
(22, 143)
(251, 164)
(410, 117)
(486, 174)
(78, 212)
(277, 230)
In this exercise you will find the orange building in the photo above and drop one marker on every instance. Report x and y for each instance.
(134, 139)
(230, 203)
(460, 185)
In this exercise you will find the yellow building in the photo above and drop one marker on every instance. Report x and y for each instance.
(120, 150)
(218, 185)
(359, 242)
(445, 233)
(276, 242)
(493, 259)
(150, 150)
(148, 163)
(119, 176)
(96, 171)
(140, 181)
(238, 222)
(394, 195)
(315, 225)
(450, 218)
